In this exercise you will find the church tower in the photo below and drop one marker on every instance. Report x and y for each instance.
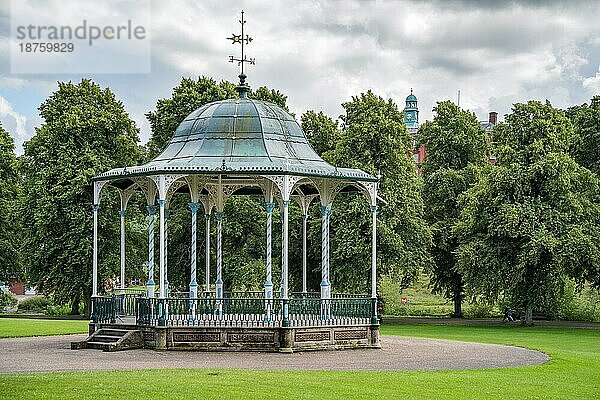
(411, 112)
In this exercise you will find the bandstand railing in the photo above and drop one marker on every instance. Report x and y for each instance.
(235, 310)
(254, 312)
(104, 309)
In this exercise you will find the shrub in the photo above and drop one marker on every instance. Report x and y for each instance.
(53, 309)
(480, 310)
(35, 303)
(583, 306)
(7, 299)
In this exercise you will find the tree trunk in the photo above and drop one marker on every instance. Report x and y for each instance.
(75, 305)
(87, 306)
(528, 316)
(458, 296)
(457, 307)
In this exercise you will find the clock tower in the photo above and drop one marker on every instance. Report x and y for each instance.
(411, 112)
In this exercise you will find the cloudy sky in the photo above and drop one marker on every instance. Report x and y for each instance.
(321, 53)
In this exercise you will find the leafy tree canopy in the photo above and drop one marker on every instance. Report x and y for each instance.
(10, 267)
(374, 139)
(322, 132)
(533, 218)
(86, 131)
(456, 146)
(586, 121)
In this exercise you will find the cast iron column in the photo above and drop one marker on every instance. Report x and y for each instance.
(219, 281)
(161, 244)
(122, 217)
(95, 252)
(374, 264)
(325, 283)
(207, 250)
(193, 284)
(284, 264)
(269, 207)
(150, 285)
(304, 250)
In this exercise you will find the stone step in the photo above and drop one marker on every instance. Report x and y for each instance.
(97, 346)
(106, 338)
(113, 332)
(112, 339)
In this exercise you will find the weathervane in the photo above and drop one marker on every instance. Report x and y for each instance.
(243, 40)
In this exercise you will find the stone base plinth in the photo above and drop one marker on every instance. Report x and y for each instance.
(257, 339)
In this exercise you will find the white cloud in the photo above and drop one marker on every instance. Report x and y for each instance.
(320, 53)
(592, 84)
(13, 122)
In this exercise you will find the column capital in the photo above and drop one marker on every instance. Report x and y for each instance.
(122, 213)
(151, 209)
(305, 217)
(193, 206)
(95, 207)
(270, 206)
(326, 211)
(285, 203)
(374, 209)
(219, 215)
(161, 202)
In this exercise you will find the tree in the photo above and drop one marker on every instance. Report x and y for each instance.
(374, 139)
(243, 227)
(86, 131)
(531, 219)
(10, 266)
(586, 122)
(322, 132)
(456, 145)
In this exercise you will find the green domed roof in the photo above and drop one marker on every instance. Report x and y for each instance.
(239, 135)
(411, 97)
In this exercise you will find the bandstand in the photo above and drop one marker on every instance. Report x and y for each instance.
(228, 148)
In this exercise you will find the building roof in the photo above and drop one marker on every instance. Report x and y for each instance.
(239, 135)
(411, 97)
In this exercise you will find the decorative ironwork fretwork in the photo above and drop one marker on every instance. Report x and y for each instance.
(328, 188)
(98, 185)
(242, 39)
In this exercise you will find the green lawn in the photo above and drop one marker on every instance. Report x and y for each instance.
(20, 327)
(573, 372)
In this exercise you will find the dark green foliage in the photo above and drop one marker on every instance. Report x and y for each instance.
(86, 131)
(586, 143)
(7, 299)
(456, 146)
(34, 303)
(10, 266)
(322, 132)
(533, 218)
(374, 139)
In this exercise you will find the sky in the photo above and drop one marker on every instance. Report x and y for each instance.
(321, 53)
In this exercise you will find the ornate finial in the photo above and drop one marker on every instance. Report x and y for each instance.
(242, 88)
(410, 90)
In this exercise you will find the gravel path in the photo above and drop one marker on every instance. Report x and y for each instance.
(52, 353)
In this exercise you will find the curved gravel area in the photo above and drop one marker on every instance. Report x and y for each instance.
(53, 353)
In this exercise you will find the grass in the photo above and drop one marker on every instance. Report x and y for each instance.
(21, 327)
(573, 373)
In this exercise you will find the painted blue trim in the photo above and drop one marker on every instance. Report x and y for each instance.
(326, 211)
